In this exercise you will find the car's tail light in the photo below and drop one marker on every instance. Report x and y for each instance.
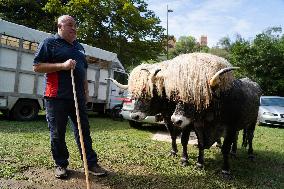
(127, 100)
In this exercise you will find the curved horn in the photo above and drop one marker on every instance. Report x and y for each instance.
(156, 72)
(125, 87)
(215, 79)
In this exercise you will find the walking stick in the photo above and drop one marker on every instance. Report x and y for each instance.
(80, 132)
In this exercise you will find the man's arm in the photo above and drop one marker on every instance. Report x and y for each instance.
(54, 67)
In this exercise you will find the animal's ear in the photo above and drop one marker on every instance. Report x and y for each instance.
(144, 69)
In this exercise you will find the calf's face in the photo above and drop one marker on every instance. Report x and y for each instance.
(183, 115)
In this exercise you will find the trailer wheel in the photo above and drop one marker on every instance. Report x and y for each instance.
(25, 110)
(135, 124)
(6, 114)
(115, 112)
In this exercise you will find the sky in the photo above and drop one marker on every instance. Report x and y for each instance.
(218, 18)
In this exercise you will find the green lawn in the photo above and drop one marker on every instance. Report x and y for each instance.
(138, 161)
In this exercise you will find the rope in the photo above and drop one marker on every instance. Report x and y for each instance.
(80, 132)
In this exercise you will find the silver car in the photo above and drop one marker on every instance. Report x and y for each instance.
(127, 108)
(271, 110)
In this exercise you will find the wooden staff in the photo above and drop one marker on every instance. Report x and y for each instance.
(80, 132)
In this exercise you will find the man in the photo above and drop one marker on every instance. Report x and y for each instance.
(55, 57)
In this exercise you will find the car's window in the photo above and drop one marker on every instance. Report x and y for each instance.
(272, 102)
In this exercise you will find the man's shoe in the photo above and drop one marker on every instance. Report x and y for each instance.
(60, 172)
(97, 170)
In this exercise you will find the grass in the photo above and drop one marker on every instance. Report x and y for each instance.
(138, 161)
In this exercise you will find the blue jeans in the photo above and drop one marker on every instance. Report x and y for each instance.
(57, 113)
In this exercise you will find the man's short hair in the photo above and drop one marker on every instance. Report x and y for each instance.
(62, 19)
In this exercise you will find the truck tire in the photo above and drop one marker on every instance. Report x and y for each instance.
(135, 124)
(6, 114)
(25, 110)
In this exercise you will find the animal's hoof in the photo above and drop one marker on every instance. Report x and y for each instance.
(184, 162)
(251, 157)
(195, 145)
(172, 154)
(219, 146)
(199, 166)
(226, 174)
(233, 155)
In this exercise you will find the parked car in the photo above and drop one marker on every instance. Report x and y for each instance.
(271, 110)
(128, 106)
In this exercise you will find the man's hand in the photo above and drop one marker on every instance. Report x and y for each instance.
(69, 64)
(87, 96)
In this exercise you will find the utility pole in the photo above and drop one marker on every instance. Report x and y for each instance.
(168, 10)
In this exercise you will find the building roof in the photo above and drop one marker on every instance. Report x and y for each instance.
(23, 32)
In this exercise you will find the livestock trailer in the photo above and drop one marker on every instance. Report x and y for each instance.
(21, 88)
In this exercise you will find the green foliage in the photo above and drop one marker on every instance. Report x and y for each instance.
(125, 27)
(262, 60)
(29, 13)
(220, 52)
(140, 162)
(184, 45)
(224, 43)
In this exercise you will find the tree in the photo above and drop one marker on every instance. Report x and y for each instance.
(184, 45)
(125, 27)
(262, 60)
(28, 12)
(224, 43)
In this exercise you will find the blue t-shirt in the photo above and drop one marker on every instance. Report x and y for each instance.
(59, 84)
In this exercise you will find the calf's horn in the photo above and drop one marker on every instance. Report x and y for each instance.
(125, 87)
(215, 79)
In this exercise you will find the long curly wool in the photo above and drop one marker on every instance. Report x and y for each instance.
(141, 81)
(186, 78)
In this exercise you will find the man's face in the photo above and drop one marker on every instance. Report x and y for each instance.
(67, 29)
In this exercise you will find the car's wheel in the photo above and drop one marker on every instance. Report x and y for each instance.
(134, 124)
(25, 110)
(115, 112)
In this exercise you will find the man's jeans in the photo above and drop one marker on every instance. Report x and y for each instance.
(57, 113)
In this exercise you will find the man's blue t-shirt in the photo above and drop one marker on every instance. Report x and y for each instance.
(59, 84)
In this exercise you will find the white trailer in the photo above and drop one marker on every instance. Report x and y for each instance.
(21, 88)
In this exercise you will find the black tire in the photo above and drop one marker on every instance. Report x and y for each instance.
(115, 112)
(25, 110)
(6, 114)
(135, 124)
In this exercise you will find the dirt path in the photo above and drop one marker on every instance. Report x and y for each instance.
(44, 179)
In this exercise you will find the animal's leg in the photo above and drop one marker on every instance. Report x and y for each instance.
(198, 126)
(184, 141)
(250, 135)
(219, 143)
(173, 133)
(200, 160)
(235, 145)
(245, 138)
(229, 135)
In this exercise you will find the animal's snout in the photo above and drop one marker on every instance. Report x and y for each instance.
(135, 116)
(178, 123)
(138, 116)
